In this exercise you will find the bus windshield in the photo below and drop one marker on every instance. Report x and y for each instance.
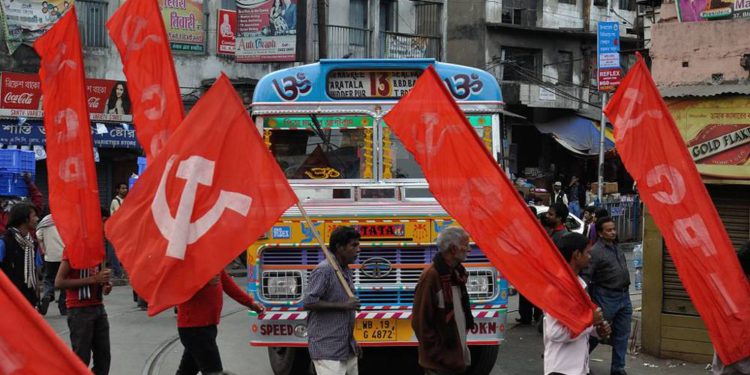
(337, 147)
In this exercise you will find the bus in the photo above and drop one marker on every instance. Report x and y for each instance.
(324, 124)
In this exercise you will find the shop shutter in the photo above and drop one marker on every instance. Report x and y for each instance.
(733, 204)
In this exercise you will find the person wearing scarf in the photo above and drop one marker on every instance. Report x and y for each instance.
(18, 257)
(441, 314)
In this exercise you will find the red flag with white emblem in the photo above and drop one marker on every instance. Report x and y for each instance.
(73, 191)
(28, 345)
(469, 184)
(655, 154)
(212, 191)
(137, 28)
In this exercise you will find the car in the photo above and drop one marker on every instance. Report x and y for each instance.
(573, 223)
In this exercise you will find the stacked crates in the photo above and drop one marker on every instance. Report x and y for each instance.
(13, 164)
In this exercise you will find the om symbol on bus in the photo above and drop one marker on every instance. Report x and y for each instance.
(463, 85)
(293, 86)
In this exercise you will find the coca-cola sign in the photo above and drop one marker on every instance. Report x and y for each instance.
(21, 95)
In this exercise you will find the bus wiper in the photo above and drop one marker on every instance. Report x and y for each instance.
(320, 133)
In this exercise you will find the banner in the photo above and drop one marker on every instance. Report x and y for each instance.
(707, 10)
(27, 20)
(405, 47)
(212, 191)
(21, 96)
(32, 133)
(138, 32)
(185, 24)
(226, 36)
(655, 155)
(73, 192)
(266, 30)
(468, 183)
(608, 55)
(717, 133)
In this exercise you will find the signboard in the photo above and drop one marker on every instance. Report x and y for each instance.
(21, 96)
(608, 55)
(404, 47)
(185, 24)
(364, 84)
(26, 20)
(266, 30)
(703, 10)
(31, 133)
(717, 134)
(326, 122)
(225, 38)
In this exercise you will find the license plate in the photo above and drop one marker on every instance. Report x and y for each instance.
(375, 330)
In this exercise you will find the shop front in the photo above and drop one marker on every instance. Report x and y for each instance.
(716, 131)
(113, 135)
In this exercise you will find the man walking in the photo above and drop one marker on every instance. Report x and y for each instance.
(18, 257)
(609, 281)
(52, 247)
(197, 324)
(556, 216)
(331, 317)
(87, 318)
(574, 192)
(441, 313)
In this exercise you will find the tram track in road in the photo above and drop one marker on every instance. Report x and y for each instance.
(155, 360)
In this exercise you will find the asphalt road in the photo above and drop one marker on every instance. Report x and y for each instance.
(142, 345)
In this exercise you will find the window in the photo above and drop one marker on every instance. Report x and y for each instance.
(520, 12)
(567, 1)
(522, 64)
(565, 68)
(600, 3)
(358, 13)
(388, 15)
(627, 5)
(335, 150)
(92, 16)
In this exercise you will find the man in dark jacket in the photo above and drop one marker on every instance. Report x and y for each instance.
(18, 257)
(441, 314)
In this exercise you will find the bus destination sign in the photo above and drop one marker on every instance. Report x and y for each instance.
(370, 84)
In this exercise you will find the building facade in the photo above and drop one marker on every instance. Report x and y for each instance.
(702, 73)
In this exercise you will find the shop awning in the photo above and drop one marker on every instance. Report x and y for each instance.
(577, 134)
(21, 132)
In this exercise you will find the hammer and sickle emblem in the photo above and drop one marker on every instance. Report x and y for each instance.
(178, 230)
(132, 40)
(56, 64)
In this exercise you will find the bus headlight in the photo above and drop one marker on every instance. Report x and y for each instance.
(281, 285)
(480, 284)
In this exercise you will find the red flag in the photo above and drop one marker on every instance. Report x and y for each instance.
(655, 155)
(73, 192)
(28, 345)
(137, 29)
(469, 184)
(212, 191)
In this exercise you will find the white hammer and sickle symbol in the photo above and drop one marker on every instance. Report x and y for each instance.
(178, 230)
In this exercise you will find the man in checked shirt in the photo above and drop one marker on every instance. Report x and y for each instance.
(330, 322)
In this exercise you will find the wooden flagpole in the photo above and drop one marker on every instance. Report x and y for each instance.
(331, 259)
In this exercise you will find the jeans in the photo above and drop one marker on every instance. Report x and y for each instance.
(618, 311)
(575, 208)
(201, 352)
(89, 333)
(527, 310)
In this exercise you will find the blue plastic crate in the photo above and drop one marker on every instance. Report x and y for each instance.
(141, 165)
(17, 161)
(12, 184)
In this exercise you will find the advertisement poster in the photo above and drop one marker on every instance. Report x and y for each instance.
(266, 30)
(705, 10)
(185, 24)
(26, 20)
(21, 96)
(608, 55)
(717, 134)
(225, 38)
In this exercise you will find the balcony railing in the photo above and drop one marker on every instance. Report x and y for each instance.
(396, 45)
(92, 17)
(346, 42)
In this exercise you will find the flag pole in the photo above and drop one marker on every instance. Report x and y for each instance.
(331, 259)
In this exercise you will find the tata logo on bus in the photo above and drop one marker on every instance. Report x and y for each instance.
(292, 87)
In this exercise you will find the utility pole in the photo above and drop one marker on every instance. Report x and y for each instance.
(602, 132)
(322, 34)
